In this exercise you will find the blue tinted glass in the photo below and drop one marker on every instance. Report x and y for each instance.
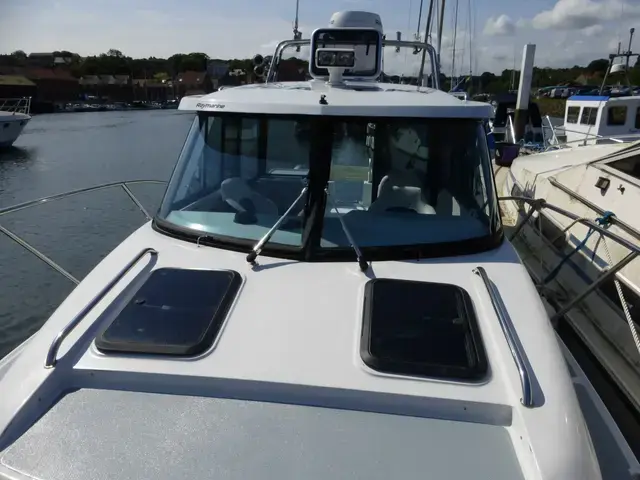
(237, 175)
(409, 182)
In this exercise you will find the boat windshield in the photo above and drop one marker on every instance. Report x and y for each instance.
(409, 182)
(390, 182)
(236, 176)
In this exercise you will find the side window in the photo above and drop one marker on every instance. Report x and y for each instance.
(630, 166)
(573, 113)
(637, 122)
(616, 115)
(589, 115)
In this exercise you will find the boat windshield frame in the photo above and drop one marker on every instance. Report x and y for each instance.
(315, 204)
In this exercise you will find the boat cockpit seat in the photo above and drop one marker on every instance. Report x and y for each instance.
(237, 193)
(394, 196)
(447, 204)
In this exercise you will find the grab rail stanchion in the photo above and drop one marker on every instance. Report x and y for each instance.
(52, 354)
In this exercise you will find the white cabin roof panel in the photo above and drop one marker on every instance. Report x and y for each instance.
(357, 99)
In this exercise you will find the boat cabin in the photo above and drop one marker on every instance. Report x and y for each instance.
(596, 119)
(397, 165)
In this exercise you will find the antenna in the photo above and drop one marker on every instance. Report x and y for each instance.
(631, 32)
(297, 34)
(621, 67)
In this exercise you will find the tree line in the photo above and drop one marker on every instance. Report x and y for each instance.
(114, 62)
(592, 74)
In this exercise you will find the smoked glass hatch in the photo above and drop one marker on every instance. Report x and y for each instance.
(175, 312)
(421, 329)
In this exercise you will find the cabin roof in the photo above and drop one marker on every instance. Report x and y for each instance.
(603, 98)
(356, 99)
(224, 435)
(588, 98)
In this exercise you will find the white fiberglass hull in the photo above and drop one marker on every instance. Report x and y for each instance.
(11, 126)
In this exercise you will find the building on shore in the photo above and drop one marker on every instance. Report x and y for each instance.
(16, 86)
(52, 85)
(194, 83)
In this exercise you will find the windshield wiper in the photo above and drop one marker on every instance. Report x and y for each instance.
(257, 248)
(362, 263)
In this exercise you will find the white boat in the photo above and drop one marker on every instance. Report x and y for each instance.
(601, 183)
(355, 318)
(598, 119)
(14, 116)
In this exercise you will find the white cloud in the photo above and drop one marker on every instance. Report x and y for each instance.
(593, 30)
(580, 14)
(499, 26)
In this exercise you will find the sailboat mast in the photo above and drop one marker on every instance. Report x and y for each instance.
(296, 32)
(470, 33)
(421, 78)
(440, 27)
(455, 33)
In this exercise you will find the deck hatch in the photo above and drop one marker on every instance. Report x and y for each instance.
(421, 328)
(175, 312)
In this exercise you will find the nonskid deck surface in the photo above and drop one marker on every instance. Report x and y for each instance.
(110, 434)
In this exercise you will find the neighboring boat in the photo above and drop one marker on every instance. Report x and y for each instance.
(171, 104)
(292, 312)
(597, 182)
(599, 119)
(14, 116)
(502, 123)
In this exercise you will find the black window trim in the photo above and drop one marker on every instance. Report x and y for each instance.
(578, 116)
(474, 373)
(610, 109)
(590, 119)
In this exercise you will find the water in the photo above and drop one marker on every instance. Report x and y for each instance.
(61, 152)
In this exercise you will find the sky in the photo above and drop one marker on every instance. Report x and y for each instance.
(565, 32)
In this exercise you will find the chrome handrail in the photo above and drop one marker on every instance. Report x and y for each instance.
(538, 204)
(52, 354)
(16, 105)
(435, 68)
(614, 220)
(553, 132)
(618, 139)
(510, 334)
(58, 196)
(626, 138)
(511, 129)
(594, 135)
(32, 203)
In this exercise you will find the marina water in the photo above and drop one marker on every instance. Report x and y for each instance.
(61, 152)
